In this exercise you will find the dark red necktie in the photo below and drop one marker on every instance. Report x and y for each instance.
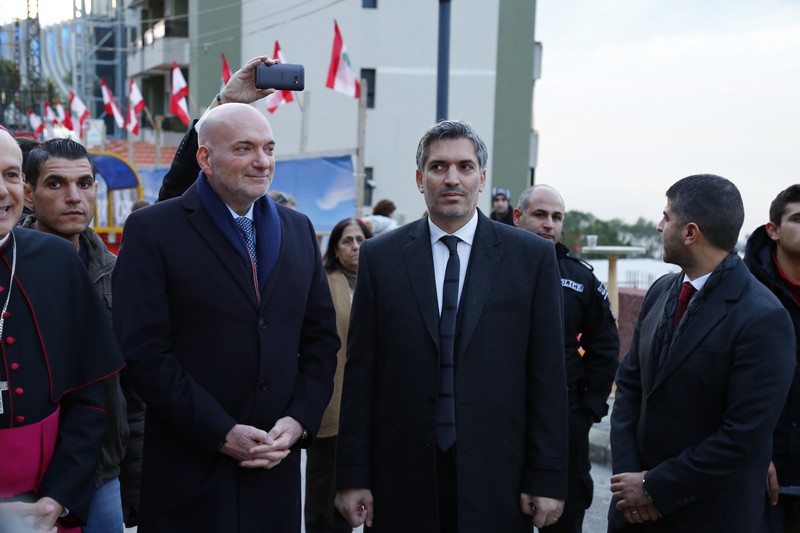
(687, 291)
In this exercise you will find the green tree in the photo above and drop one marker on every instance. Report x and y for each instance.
(614, 232)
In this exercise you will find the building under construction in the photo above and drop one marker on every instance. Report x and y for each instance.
(43, 63)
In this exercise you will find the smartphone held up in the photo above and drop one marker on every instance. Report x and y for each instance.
(280, 76)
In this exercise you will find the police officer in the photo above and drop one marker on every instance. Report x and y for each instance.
(591, 346)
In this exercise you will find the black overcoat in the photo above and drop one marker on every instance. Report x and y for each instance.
(511, 402)
(702, 424)
(204, 355)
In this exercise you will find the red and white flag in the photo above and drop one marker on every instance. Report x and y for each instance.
(79, 110)
(135, 106)
(36, 123)
(226, 70)
(49, 114)
(278, 98)
(63, 117)
(340, 72)
(180, 91)
(111, 105)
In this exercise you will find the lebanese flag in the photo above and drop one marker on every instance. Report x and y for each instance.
(177, 100)
(63, 117)
(36, 123)
(340, 73)
(111, 105)
(278, 98)
(135, 106)
(79, 109)
(226, 70)
(49, 114)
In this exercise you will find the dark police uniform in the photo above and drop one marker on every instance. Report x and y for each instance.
(589, 376)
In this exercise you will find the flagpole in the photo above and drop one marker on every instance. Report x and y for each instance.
(362, 135)
(443, 68)
(304, 120)
(150, 117)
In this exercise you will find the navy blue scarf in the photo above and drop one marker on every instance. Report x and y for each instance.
(265, 219)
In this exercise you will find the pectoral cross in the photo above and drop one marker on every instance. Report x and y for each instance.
(3, 387)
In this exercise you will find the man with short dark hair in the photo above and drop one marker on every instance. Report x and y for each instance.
(700, 390)
(773, 256)
(57, 348)
(61, 187)
(443, 428)
(591, 346)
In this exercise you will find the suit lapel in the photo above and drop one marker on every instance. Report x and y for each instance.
(202, 222)
(711, 310)
(648, 362)
(484, 264)
(268, 285)
(419, 265)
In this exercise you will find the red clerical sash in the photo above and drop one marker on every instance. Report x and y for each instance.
(25, 454)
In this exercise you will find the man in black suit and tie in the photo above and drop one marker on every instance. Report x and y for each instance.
(223, 312)
(700, 390)
(454, 407)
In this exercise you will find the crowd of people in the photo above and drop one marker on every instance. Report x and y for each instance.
(442, 375)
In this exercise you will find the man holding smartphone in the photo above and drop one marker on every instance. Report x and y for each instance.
(241, 88)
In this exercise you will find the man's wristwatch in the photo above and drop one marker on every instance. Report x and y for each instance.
(644, 490)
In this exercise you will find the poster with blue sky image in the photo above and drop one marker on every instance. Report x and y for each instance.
(324, 188)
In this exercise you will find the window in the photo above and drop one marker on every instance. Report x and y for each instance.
(369, 184)
(369, 4)
(369, 75)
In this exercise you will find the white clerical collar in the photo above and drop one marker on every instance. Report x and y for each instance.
(466, 232)
(4, 239)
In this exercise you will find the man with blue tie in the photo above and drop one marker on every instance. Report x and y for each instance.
(225, 318)
(454, 406)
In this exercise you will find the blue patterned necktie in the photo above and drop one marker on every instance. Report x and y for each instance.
(248, 232)
(445, 405)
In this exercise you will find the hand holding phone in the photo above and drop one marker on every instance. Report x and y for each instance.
(280, 77)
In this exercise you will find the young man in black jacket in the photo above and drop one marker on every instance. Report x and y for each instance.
(773, 256)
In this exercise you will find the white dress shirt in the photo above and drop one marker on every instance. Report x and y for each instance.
(440, 254)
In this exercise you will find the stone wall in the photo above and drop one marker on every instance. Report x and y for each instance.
(630, 301)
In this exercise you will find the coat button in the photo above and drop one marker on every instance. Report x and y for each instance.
(14, 366)
(7, 314)
(11, 340)
(262, 385)
(19, 419)
(19, 391)
(262, 324)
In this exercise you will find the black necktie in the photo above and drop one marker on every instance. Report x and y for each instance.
(445, 406)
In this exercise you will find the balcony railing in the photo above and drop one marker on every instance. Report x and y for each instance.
(161, 29)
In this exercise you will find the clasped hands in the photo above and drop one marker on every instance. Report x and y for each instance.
(627, 490)
(256, 448)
